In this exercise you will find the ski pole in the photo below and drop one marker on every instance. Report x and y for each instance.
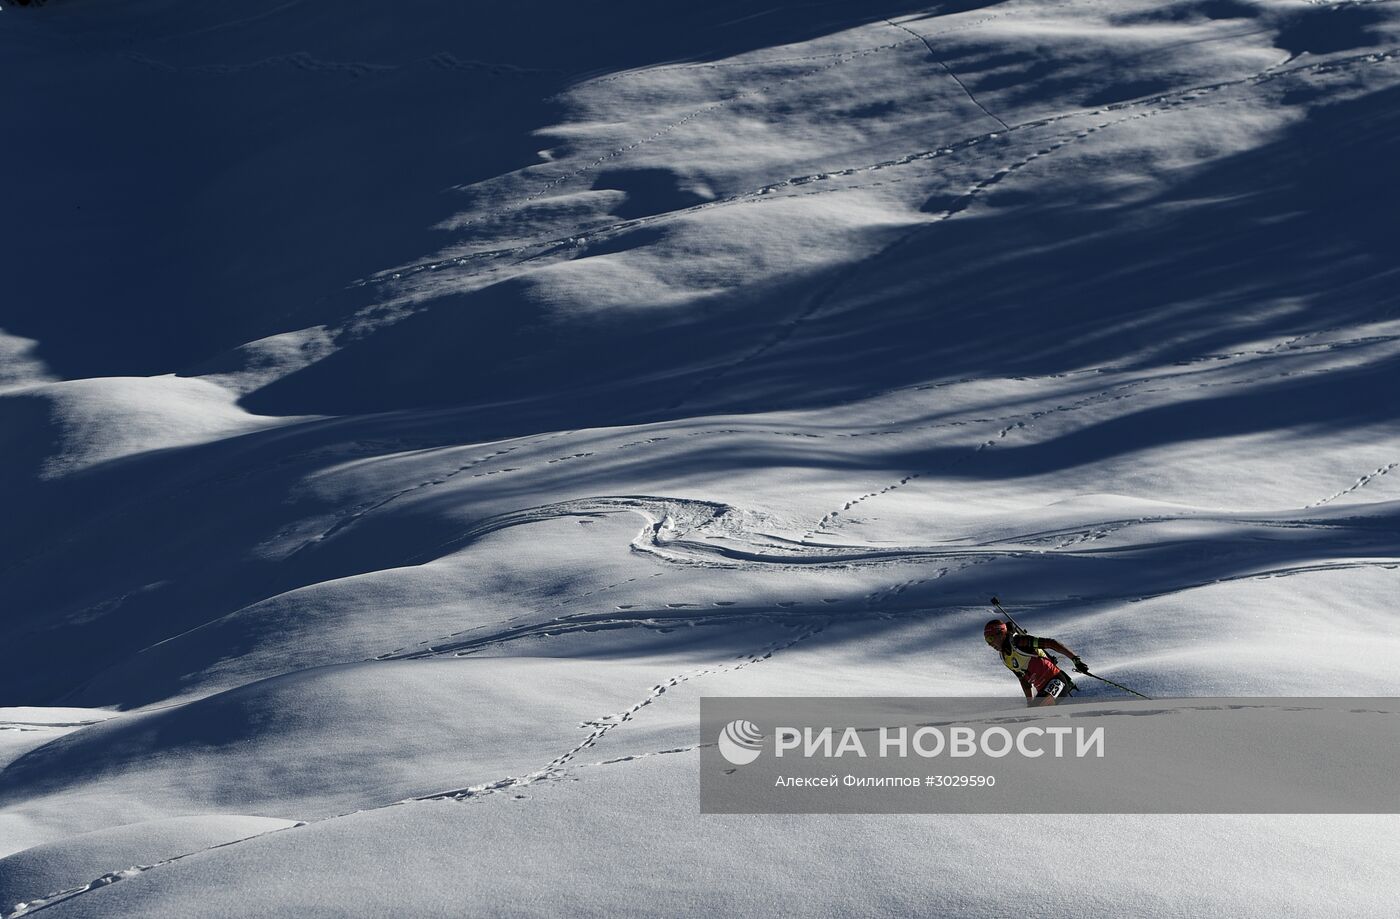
(1111, 683)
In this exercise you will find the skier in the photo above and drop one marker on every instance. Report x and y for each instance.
(1024, 655)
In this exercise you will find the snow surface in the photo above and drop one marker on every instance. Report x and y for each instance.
(425, 402)
(77, 860)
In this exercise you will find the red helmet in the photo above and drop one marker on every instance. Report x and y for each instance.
(995, 632)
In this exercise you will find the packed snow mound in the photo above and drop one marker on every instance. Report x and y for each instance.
(77, 860)
(89, 422)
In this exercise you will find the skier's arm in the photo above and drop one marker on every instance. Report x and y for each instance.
(1029, 643)
(1025, 685)
(1055, 646)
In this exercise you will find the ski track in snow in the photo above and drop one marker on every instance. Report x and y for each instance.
(1023, 421)
(604, 724)
(601, 726)
(690, 67)
(555, 769)
(38, 904)
(528, 251)
(1172, 98)
(826, 294)
(672, 126)
(1020, 422)
(658, 509)
(742, 549)
(956, 79)
(352, 516)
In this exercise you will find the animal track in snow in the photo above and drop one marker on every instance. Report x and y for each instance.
(601, 726)
(1168, 100)
(1360, 483)
(563, 459)
(831, 516)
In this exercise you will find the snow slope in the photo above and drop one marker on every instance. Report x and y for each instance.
(432, 401)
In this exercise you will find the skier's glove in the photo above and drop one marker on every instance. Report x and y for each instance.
(1080, 666)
